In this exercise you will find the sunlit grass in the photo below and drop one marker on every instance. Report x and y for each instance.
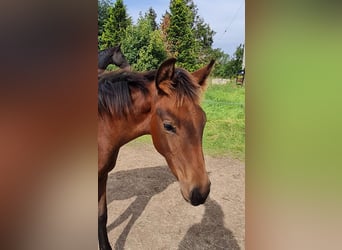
(224, 133)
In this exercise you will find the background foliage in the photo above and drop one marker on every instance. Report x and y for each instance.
(182, 34)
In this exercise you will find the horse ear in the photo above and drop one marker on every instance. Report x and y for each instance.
(202, 74)
(164, 75)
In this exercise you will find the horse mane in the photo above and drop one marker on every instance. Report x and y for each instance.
(183, 87)
(114, 90)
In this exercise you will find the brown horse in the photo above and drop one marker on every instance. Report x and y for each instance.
(165, 104)
(112, 55)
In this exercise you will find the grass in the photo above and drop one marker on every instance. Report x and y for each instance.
(224, 133)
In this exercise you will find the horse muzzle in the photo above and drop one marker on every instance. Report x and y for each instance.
(198, 198)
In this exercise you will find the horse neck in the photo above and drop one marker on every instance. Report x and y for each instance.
(104, 58)
(137, 122)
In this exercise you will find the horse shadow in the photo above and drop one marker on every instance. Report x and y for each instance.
(143, 183)
(210, 233)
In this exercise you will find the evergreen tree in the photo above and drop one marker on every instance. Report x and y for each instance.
(164, 26)
(153, 55)
(115, 25)
(189, 38)
(151, 15)
(203, 35)
(180, 36)
(102, 14)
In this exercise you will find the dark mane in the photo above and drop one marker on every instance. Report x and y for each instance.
(114, 92)
(184, 87)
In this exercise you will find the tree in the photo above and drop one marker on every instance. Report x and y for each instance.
(226, 67)
(236, 62)
(114, 27)
(143, 46)
(203, 35)
(221, 65)
(180, 35)
(151, 15)
(188, 37)
(102, 14)
(137, 37)
(164, 26)
(153, 55)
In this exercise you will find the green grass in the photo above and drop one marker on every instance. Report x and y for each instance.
(224, 133)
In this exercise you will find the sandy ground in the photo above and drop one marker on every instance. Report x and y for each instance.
(147, 211)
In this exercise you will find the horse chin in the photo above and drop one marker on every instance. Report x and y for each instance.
(185, 198)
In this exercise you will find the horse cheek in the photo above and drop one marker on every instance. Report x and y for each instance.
(156, 135)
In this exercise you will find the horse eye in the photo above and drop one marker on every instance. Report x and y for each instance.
(169, 127)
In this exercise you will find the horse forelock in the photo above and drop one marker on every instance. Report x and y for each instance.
(184, 87)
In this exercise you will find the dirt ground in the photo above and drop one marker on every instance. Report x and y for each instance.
(147, 211)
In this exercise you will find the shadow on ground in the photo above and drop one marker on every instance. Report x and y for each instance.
(210, 233)
(144, 183)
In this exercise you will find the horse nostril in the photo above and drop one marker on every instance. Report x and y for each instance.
(196, 198)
